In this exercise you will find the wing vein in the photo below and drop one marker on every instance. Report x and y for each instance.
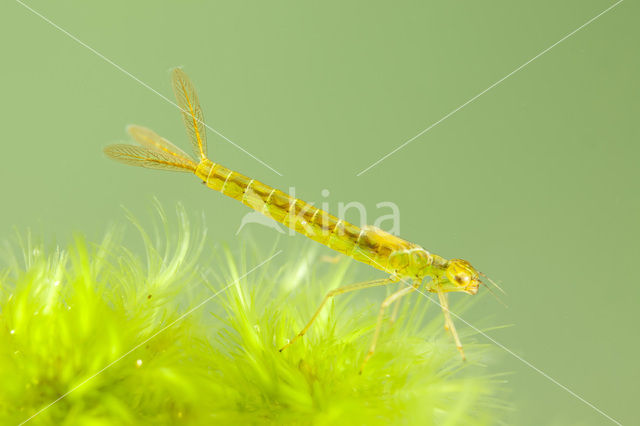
(149, 158)
(191, 112)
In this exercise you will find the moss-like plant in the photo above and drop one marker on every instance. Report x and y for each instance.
(92, 334)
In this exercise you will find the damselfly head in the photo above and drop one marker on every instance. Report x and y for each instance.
(461, 276)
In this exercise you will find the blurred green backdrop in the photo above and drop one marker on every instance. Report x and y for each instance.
(535, 182)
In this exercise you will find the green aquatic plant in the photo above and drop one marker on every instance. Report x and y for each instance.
(94, 334)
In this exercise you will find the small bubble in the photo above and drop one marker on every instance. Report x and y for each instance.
(56, 283)
(325, 193)
(139, 363)
(12, 332)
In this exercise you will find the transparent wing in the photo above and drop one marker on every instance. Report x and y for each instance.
(191, 111)
(151, 139)
(149, 158)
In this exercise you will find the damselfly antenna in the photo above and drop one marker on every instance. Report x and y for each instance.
(493, 282)
(491, 291)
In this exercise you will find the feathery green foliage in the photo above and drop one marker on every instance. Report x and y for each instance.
(111, 339)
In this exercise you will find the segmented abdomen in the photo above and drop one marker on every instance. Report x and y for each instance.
(369, 245)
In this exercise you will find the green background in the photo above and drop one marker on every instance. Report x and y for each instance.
(535, 182)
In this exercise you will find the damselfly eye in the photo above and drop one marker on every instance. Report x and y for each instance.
(462, 279)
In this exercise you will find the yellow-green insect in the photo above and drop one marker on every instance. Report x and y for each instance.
(403, 261)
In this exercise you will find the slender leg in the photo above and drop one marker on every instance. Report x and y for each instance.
(396, 308)
(385, 304)
(448, 323)
(335, 292)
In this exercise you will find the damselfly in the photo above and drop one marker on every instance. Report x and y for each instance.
(403, 261)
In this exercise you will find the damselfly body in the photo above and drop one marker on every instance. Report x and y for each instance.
(401, 260)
